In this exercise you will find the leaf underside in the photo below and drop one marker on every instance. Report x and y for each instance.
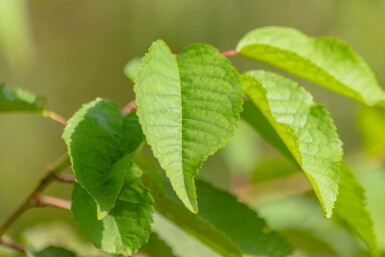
(101, 142)
(127, 227)
(325, 61)
(20, 100)
(188, 107)
(297, 126)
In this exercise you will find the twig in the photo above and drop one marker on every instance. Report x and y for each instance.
(29, 202)
(49, 201)
(130, 107)
(65, 178)
(229, 53)
(54, 116)
(12, 245)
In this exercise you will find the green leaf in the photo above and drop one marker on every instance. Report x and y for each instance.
(156, 247)
(127, 227)
(270, 169)
(242, 224)
(325, 61)
(223, 224)
(351, 207)
(51, 251)
(371, 122)
(101, 142)
(131, 69)
(188, 107)
(296, 125)
(20, 100)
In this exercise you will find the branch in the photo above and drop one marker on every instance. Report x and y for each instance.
(29, 201)
(12, 245)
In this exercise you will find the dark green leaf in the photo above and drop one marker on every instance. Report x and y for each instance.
(101, 142)
(226, 226)
(52, 251)
(20, 100)
(156, 247)
(127, 227)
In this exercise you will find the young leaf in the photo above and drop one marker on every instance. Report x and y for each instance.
(20, 100)
(157, 247)
(225, 225)
(127, 227)
(300, 127)
(101, 142)
(351, 207)
(325, 61)
(188, 107)
(51, 251)
(131, 69)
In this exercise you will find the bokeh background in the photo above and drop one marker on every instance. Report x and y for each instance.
(73, 51)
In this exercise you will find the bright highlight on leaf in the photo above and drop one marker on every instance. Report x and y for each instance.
(101, 142)
(325, 61)
(20, 100)
(127, 227)
(351, 207)
(292, 122)
(188, 107)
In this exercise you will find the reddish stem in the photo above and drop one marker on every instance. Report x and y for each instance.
(130, 107)
(12, 245)
(229, 53)
(46, 201)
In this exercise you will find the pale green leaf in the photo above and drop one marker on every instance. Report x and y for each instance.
(157, 247)
(101, 142)
(188, 107)
(131, 69)
(300, 127)
(325, 61)
(272, 168)
(51, 251)
(223, 224)
(20, 100)
(127, 227)
(371, 122)
(351, 207)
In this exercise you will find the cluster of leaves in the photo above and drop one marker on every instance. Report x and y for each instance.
(188, 107)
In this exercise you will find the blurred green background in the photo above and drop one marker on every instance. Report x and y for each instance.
(72, 51)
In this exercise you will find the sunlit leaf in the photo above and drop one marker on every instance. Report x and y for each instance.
(289, 119)
(188, 107)
(325, 61)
